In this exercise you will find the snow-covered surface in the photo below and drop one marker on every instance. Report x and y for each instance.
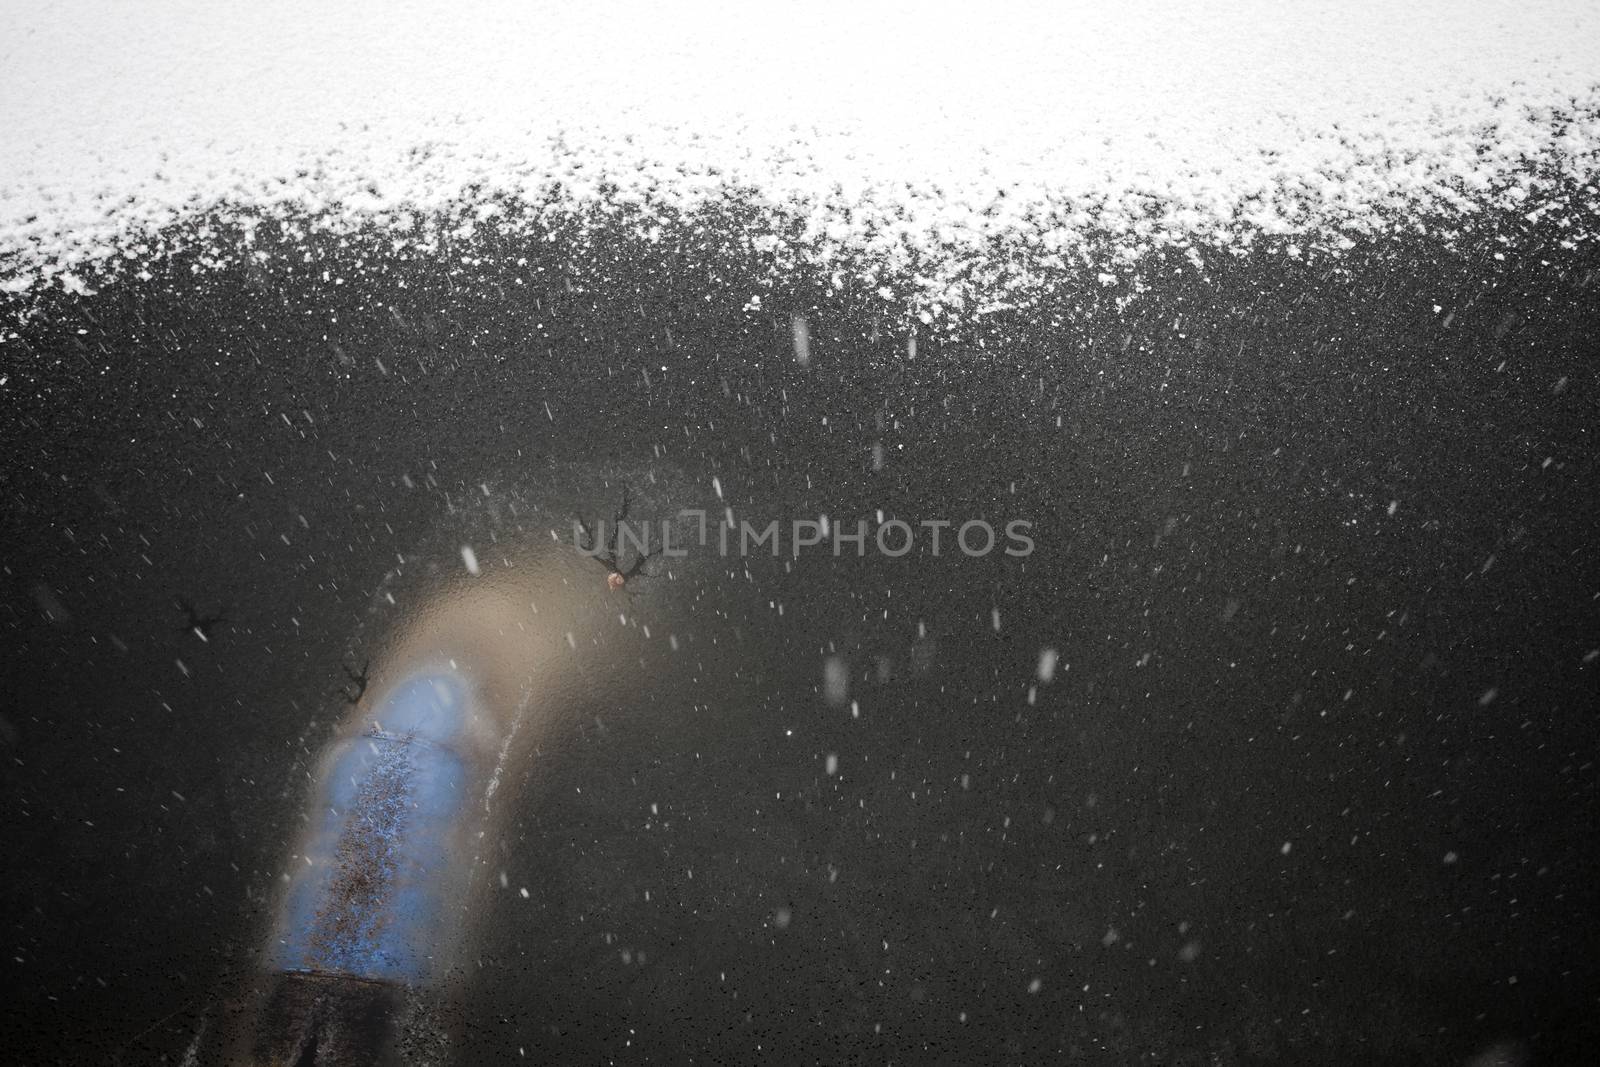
(1279, 115)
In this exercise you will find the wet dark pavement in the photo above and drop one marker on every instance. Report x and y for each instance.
(1315, 779)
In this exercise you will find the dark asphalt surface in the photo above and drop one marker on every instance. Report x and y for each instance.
(1315, 783)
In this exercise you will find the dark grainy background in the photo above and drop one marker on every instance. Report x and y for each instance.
(1316, 781)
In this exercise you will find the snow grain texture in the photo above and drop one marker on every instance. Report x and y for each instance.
(895, 132)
